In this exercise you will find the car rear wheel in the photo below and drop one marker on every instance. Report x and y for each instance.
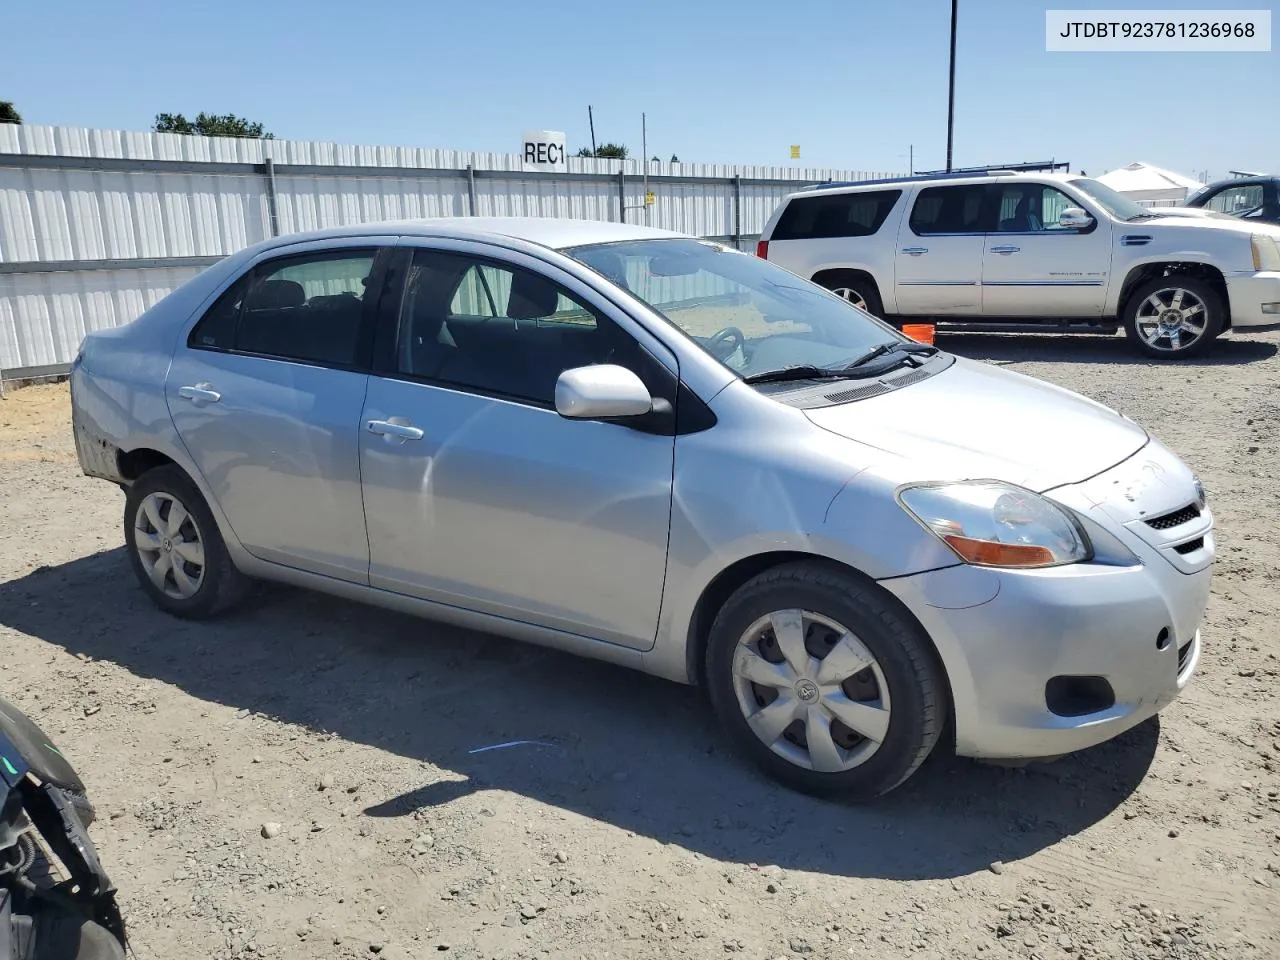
(1173, 317)
(175, 548)
(857, 290)
(823, 682)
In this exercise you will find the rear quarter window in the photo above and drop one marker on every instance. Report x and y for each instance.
(835, 215)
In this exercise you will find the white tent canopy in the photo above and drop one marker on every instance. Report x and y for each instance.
(1143, 181)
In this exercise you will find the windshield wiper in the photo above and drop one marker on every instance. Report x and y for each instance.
(1141, 216)
(803, 371)
(904, 350)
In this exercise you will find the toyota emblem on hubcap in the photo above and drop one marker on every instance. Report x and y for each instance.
(807, 691)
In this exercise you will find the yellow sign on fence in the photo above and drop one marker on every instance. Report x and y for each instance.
(649, 199)
(795, 151)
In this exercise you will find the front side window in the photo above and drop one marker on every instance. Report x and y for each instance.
(1030, 208)
(306, 308)
(827, 215)
(1239, 201)
(497, 329)
(750, 314)
(948, 210)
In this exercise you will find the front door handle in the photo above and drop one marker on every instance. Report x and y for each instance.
(914, 251)
(394, 431)
(1005, 250)
(200, 393)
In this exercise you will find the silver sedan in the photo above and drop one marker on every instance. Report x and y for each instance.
(658, 451)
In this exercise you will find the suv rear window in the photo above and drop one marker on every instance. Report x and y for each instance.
(941, 210)
(835, 215)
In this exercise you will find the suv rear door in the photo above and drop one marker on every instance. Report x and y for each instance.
(938, 266)
(1033, 266)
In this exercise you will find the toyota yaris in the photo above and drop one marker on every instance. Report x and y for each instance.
(658, 451)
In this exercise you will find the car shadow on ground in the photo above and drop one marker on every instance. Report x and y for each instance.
(622, 748)
(1093, 348)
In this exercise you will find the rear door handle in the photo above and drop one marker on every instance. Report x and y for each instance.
(200, 393)
(394, 431)
(914, 251)
(1005, 250)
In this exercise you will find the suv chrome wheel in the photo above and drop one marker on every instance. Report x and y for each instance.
(811, 691)
(1172, 319)
(853, 296)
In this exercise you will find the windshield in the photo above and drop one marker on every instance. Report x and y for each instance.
(751, 315)
(1116, 204)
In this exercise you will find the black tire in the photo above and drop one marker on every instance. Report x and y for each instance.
(917, 685)
(1162, 287)
(221, 585)
(854, 287)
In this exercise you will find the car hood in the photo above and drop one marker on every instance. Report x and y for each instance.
(975, 421)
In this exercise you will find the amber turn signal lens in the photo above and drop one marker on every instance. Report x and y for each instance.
(988, 553)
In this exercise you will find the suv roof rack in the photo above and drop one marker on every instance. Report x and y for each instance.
(914, 178)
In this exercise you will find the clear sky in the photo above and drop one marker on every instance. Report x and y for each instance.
(854, 82)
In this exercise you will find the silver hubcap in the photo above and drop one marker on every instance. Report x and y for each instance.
(811, 691)
(1171, 319)
(168, 543)
(853, 296)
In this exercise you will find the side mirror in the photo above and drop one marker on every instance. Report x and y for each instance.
(601, 392)
(1074, 218)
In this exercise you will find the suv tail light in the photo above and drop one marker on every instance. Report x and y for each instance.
(762, 249)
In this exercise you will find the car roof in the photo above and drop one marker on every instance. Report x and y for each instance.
(1243, 181)
(556, 233)
(944, 179)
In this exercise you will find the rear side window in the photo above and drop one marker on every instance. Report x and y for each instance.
(307, 308)
(948, 210)
(1239, 201)
(835, 215)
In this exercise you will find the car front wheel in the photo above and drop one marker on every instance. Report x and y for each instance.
(175, 548)
(822, 681)
(1173, 317)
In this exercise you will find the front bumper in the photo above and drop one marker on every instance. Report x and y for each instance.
(1010, 638)
(1254, 300)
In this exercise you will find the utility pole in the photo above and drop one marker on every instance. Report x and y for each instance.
(911, 159)
(644, 158)
(951, 89)
(591, 121)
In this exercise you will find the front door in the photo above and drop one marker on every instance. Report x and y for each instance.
(1035, 267)
(266, 394)
(938, 265)
(477, 493)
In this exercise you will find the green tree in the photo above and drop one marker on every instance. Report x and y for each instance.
(210, 125)
(9, 113)
(612, 151)
(674, 158)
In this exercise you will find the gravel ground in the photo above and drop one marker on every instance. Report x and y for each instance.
(627, 829)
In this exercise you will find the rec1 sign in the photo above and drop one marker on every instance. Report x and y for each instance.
(543, 150)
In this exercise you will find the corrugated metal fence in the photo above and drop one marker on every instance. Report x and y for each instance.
(97, 225)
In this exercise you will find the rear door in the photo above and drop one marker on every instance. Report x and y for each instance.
(1035, 267)
(266, 393)
(938, 267)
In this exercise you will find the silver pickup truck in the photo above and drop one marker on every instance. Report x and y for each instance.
(1010, 249)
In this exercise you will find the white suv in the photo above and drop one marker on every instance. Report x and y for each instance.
(1050, 250)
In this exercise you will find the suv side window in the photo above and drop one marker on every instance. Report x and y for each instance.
(835, 215)
(948, 210)
(1241, 201)
(306, 308)
(1030, 208)
(497, 329)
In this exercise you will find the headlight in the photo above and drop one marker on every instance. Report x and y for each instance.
(1202, 498)
(1266, 252)
(993, 524)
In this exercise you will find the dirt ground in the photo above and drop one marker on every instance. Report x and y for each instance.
(627, 829)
